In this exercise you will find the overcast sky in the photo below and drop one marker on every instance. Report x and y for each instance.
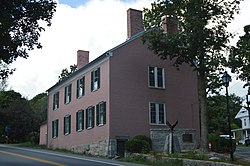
(91, 25)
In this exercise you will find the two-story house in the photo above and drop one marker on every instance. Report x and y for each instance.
(127, 91)
(242, 133)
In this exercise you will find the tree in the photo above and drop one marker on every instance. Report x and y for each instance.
(39, 108)
(65, 72)
(217, 113)
(15, 113)
(20, 28)
(199, 41)
(239, 58)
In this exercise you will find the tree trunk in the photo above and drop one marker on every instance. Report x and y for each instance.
(203, 112)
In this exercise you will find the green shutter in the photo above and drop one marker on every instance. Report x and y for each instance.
(57, 98)
(77, 88)
(104, 112)
(87, 111)
(70, 86)
(83, 86)
(92, 81)
(98, 76)
(53, 129)
(64, 126)
(57, 124)
(69, 123)
(82, 119)
(93, 116)
(65, 94)
(54, 101)
(97, 114)
(77, 121)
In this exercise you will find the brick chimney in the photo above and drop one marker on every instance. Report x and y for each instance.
(169, 25)
(134, 22)
(82, 58)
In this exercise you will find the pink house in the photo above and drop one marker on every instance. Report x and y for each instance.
(127, 91)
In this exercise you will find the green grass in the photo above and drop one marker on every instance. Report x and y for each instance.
(29, 144)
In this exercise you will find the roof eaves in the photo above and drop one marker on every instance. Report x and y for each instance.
(98, 59)
(129, 40)
(79, 70)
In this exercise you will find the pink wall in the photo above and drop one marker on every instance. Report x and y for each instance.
(130, 94)
(91, 98)
(43, 134)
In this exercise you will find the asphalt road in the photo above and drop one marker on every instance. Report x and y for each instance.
(18, 156)
(243, 152)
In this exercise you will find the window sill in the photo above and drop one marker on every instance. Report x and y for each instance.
(54, 137)
(67, 103)
(66, 134)
(100, 125)
(89, 128)
(79, 130)
(155, 124)
(94, 90)
(152, 87)
(80, 97)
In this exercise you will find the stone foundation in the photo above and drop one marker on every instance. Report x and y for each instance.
(186, 139)
(105, 148)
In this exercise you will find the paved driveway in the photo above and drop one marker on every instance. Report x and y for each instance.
(243, 152)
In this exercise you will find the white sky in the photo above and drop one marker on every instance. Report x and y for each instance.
(95, 26)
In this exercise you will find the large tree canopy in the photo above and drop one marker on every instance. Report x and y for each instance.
(20, 28)
(199, 41)
(22, 117)
(239, 58)
(217, 113)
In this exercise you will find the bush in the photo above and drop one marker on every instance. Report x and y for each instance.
(145, 138)
(219, 144)
(139, 144)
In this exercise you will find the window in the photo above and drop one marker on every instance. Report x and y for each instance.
(67, 124)
(245, 122)
(80, 120)
(101, 114)
(187, 138)
(156, 77)
(95, 79)
(67, 94)
(55, 128)
(56, 101)
(90, 112)
(80, 90)
(157, 113)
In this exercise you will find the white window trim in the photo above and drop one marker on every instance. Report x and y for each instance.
(156, 77)
(157, 114)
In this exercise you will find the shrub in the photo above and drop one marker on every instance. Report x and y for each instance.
(145, 138)
(139, 144)
(219, 144)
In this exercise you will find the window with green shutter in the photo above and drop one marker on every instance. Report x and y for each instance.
(90, 113)
(95, 79)
(67, 124)
(101, 114)
(55, 128)
(67, 94)
(80, 90)
(56, 101)
(80, 120)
